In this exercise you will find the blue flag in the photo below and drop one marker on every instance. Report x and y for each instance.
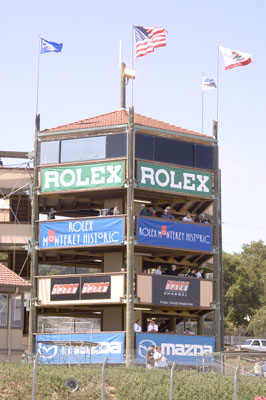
(47, 47)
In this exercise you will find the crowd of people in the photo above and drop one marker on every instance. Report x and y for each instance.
(147, 211)
(163, 327)
(173, 270)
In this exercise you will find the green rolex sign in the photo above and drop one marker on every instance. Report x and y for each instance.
(173, 179)
(89, 176)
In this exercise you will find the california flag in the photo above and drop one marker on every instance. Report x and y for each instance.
(233, 58)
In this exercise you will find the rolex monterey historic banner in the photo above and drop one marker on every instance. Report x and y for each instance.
(175, 235)
(82, 232)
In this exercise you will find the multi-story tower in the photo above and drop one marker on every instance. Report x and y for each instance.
(82, 258)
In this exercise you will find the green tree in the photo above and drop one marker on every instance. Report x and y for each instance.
(257, 325)
(244, 284)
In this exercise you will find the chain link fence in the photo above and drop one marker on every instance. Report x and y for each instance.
(237, 376)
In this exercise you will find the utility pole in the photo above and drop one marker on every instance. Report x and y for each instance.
(218, 261)
(130, 240)
(34, 241)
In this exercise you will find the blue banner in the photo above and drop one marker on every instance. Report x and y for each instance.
(183, 349)
(175, 235)
(80, 348)
(82, 232)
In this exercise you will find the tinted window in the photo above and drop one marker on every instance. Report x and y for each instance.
(173, 152)
(49, 152)
(115, 145)
(263, 343)
(84, 149)
(203, 156)
(144, 146)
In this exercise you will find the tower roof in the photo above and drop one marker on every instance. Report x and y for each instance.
(116, 118)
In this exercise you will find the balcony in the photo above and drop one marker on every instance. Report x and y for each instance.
(157, 291)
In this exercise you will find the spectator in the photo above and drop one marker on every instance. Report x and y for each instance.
(144, 211)
(153, 212)
(198, 274)
(116, 210)
(152, 327)
(257, 369)
(172, 270)
(137, 326)
(159, 360)
(145, 271)
(149, 356)
(123, 268)
(188, 218)
(158, 270)
(191, 273)
(51, 213)
(167, 213)
(188, 332)
(111, 211)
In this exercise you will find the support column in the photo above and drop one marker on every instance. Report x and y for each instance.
(200, 325)
(130, 242)
(217, 259)
(34, 241)
(172, 323)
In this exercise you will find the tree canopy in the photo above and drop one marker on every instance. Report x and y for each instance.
(245, 290)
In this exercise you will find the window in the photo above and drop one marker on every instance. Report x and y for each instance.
(3, 309)
(16, 312)
(203, 156)
(49, 152)
(85, 149)
(256, 343)
(173, 152)
(144, 146)
(116, 145)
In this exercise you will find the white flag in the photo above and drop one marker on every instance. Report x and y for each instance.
(208, 83)
(233, 58)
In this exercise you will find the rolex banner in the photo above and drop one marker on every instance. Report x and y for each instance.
(174, 179)
(87, 176)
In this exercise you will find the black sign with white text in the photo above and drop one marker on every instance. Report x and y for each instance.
(175, 291)
(95, 287)
(65, 288)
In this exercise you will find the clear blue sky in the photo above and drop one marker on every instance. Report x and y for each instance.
(83, 81)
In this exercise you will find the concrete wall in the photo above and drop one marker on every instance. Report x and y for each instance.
(112, 262)
(112, 319)
(16, 339)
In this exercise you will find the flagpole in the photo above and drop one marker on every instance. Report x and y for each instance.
(218, 68)
(202, 103)
(38, 74)
(132, 63)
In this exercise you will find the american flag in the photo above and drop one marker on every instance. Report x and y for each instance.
(147, 38)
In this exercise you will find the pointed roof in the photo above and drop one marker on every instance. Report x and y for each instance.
(10, 278)
(117, 118)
